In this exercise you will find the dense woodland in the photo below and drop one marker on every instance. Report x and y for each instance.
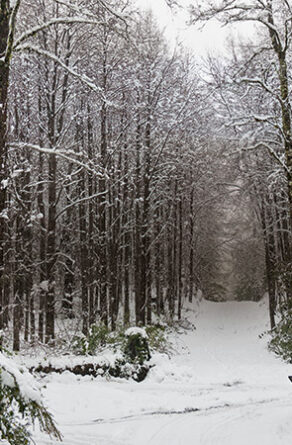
(134, 176)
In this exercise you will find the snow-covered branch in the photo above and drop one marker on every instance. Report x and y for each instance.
(55, 21)
(261, 83)
(65, 154)
(82, 77)
(260, 145)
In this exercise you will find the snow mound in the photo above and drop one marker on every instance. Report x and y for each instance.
(166, 371)
(136, 331)
(13, 375)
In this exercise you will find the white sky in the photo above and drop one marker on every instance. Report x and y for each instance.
(212, 38)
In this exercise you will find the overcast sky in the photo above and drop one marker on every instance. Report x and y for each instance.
(211, 39)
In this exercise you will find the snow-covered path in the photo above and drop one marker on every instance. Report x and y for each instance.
(222, 388)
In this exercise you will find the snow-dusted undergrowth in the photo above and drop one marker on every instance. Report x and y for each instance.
(20, 404)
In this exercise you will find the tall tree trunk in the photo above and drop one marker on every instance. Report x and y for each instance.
(51, 228)
(91, 256)
(51, 251)
(281, 52)
(191, 258)
(7, 30)
(157, 264)
(269, 242)
(102, 191)
(42, 251)
(102, 224)
(83, 254)
(139, 304)
(67, 300)
(18, 281)
(18, 296)
(145, 251)
(170, 267)
(127, 240)
(4, 79)
(180, 256)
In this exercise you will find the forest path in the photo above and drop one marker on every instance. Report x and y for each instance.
(222, 387)
(227, 343)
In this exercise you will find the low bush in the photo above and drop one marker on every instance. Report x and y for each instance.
(98, 336)
(281, 342)
(157, 337)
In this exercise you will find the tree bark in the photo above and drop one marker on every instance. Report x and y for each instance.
(4, 80)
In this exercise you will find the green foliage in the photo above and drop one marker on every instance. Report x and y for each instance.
(157, 337)
(281, 342)
(16, 413)
(126, 370)
(98, 336)
(136, 349)
(284, 280)
(11, 426)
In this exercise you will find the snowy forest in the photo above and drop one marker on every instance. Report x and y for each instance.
(138, 183)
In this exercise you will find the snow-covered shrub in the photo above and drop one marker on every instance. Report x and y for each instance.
(281, 342)
(126, 370)
(136, 347)
(20, 404)
(99, 337)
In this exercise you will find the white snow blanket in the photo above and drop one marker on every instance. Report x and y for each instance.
(222, 387)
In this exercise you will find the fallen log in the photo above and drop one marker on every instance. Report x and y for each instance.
(120, 369)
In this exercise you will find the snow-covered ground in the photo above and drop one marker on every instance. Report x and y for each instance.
(222, 387)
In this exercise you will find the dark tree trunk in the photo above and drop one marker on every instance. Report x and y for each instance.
(191, 259)
(180, 257)
(127, 240)
(17, 314)
(158, 270)
(103, 195)
(83, 255)
(4, 79)
(91, 256)
(281, 53)
(42, 251)
(102, 224)
(139, 303)
(145, 251)
(170, 276)
(269, 242)
(18, 282)
(51, 252)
